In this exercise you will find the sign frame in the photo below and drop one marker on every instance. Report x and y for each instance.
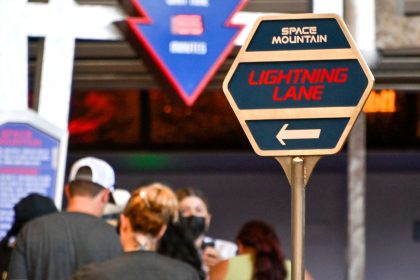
(352, 113)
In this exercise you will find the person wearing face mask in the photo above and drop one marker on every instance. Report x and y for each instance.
(195, 216)
(143, 222)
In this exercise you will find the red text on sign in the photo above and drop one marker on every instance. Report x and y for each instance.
(301, 84)
(298, 76)
(299, 93)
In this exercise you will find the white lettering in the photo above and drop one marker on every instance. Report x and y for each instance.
(176, 2)
(299, 35)
(199, 3)
(191, 47)
(276, 40)
(194, 3)
(305, 30)
(301, 39)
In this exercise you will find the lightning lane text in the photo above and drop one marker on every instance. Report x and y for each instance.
(297, 84)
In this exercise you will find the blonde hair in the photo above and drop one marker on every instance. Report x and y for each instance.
(151, 207)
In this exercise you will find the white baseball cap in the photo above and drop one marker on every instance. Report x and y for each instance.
(121, 197)
(101, 173)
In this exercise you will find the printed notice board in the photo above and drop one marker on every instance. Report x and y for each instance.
(29, 163)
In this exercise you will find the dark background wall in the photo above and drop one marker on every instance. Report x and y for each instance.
(243, 186)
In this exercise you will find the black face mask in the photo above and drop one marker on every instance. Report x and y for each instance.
(196, 225)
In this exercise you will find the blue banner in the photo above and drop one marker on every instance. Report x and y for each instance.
(28, 164)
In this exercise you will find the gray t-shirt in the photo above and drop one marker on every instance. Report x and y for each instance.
(142, 265)
(53, 247)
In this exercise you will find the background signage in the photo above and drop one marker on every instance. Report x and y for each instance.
(184, 41)
(29, 160)
(298, 84)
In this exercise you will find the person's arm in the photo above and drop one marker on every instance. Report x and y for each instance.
(219, 271)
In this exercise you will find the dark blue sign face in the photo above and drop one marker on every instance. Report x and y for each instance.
(298, 84)
(28, 163)
(297, 134)
(187, 39)
(306, 34)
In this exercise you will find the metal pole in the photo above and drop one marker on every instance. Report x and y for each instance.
(356, 201)
(360, 18)
(298, 219)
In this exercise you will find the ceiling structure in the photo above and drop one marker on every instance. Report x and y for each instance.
(114, 65)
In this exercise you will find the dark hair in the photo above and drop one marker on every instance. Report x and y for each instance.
(83, 187)
(31, 206)
(269, 260)
(27, 209)
(188, 191)
(178, 243)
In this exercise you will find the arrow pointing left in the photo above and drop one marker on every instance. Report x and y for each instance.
(296, 134)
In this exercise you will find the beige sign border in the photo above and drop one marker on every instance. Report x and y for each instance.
(299, 113)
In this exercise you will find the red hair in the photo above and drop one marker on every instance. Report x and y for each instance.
(269, 259)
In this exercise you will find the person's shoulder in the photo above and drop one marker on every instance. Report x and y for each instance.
(63, 217)
(84, 219)
(64, 220)
(238, 267)
(79, 216)
(46, 218)
(169, 260)
(109, 269)
(40, 222)
(176, 265)
(239, 260)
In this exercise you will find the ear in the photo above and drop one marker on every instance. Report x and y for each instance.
(208, 221)
(124, 223)
(104, 196)
(240, 247)
(67, 191)
(161, 232)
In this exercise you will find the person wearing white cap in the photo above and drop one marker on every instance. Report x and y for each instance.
(54, 246)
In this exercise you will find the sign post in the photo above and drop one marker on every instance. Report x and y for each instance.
(298, 218)
(297, 87)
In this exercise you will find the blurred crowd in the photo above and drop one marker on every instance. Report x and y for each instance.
(153, 232)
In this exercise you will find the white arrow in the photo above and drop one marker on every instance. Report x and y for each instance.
(297, 134)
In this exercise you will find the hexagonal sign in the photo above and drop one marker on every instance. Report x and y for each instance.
(298, 84)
